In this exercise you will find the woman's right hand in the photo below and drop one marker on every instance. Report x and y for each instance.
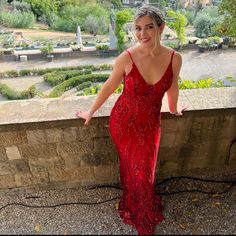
(87, 116)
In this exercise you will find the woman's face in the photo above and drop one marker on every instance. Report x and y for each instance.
(146, 32)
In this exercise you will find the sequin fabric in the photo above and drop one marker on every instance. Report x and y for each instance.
(135, 130)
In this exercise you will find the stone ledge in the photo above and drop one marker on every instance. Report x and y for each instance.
(56, 109)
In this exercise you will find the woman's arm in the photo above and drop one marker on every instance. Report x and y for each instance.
(107, 89)
(173, 92)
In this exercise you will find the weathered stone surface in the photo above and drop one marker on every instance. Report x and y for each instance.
(13, 153)
(69, 134)
(59, 175)
(115, 173)
(72, 161)
(38, 151)
(7, 181)
(46, 164)
(40, 178)
(20, 166)
(102, 173)
(3, 155)
(103, 144)
(82, 173)
(206, 122)
(5, 168)
(54, 135)
(24, 180)
(167, 139)
(12, 138)
(54, 148)
(75, 147)
(96, 159)
(86, 132)
(36, 136)
(177, 124)
(169, 168)
(232, 154)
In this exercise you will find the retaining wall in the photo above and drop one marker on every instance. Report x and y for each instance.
(44, 146)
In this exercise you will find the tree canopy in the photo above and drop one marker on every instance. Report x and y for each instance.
(227, 8)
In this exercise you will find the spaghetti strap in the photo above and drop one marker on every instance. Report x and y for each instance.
(130, 55)
(172, 56)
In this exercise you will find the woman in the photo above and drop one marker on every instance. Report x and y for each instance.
(148, 69)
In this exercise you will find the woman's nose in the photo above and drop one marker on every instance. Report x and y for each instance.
(143, 31)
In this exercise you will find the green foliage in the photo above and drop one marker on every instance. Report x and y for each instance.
(102, 47)
(25, 72)
(227, 8)
(76, 15)
(13, 95)
(73, 82)
(47, 49)
(43, 7)
(95, 25)
(92, 90)
(121, 18)
(83, 85)
(63, 3)
(17, 19)
(208, 83)
(189, 14)
(22, 6)
(173, 45)
(206, 22)
(178, 25)
(120, 88)
(57, 77)
(95, 89)
(108, 4)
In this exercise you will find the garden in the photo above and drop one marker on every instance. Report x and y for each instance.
(47, 26)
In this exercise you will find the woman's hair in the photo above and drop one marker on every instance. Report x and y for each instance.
(152, 12)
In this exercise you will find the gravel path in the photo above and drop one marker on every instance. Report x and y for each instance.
(187, 213)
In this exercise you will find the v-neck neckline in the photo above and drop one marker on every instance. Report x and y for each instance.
(157, 82)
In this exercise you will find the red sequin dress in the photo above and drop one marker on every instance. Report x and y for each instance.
(135, 130)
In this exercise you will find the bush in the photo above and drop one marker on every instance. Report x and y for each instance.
(207, 83)
(55, 78)
(73, 82)
(18, 19)
(13, 95)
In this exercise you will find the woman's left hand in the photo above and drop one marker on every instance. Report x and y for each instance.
(180, 110)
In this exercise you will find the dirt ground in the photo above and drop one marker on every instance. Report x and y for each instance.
(44, 34)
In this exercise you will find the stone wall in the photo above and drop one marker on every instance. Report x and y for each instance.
(43, 145)
(58, 55)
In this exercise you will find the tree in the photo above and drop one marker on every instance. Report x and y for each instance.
(206, 22)
(43, 7)
(110, 3)
(178, 24)
(121, 18)
(227, 8)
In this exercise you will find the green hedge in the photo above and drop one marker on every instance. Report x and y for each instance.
(26, 72)
(73, 82)
(14, 95)
(56, 77)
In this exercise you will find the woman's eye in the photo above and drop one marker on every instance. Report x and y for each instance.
(137, 29)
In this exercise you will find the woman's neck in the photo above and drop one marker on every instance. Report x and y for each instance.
(152, 51)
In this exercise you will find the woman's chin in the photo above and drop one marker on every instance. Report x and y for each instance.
(146, 45)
